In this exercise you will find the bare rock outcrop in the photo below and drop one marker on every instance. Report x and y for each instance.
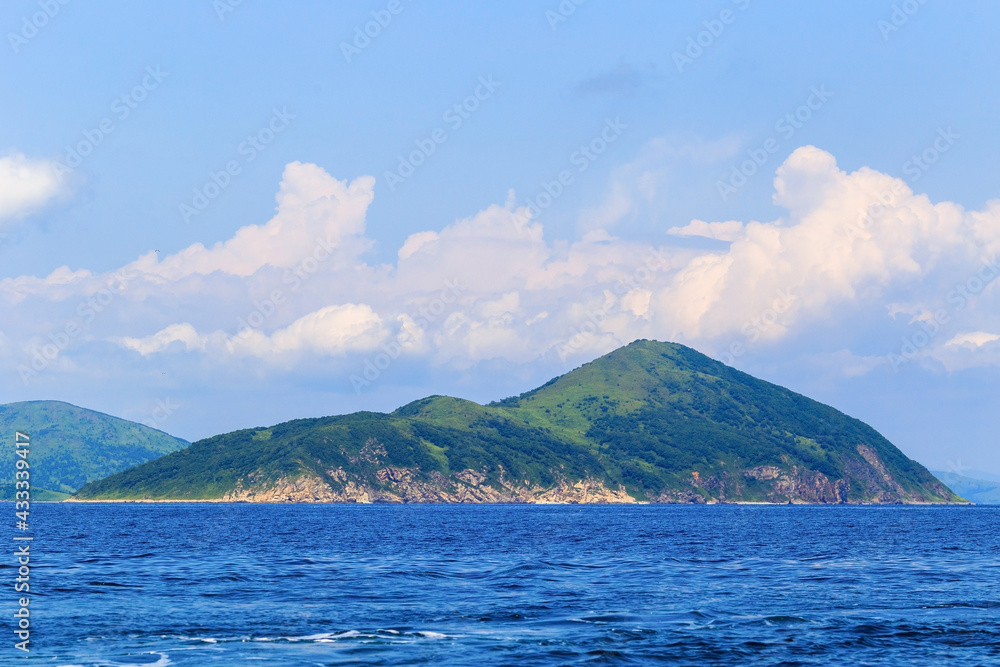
(394, 484)
(407, 485)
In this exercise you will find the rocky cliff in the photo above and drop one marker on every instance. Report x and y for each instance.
(401, 485)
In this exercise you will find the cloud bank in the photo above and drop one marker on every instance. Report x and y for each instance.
(295, 293)
(25, 186)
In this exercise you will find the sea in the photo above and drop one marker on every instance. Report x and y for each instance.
(475, 585)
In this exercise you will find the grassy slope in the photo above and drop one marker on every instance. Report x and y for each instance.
(71, 446)
(666, 410)
(646, 416)
(8, 491)
(447, 444)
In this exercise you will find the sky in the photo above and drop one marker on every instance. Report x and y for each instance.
(221, 214)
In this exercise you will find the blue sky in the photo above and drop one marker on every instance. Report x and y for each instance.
(832, 104)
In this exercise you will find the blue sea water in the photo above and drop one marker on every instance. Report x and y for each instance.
(243, 584)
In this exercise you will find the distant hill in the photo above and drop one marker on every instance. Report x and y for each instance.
(71, 446)
(651, 421)
(980, 474)
(979, 491)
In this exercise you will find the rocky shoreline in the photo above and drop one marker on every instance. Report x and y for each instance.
(408, 486)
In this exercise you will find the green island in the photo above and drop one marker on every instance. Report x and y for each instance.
(649, 422)
(71, 446)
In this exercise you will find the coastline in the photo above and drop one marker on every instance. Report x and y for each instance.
(638, 502)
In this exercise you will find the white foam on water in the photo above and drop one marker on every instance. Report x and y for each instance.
(324, 637)
(207, 640)
(162, 662)
(431, 635)
(330, 638)
(310, 638)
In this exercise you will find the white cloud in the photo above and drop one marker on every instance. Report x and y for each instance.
(316, 214)
(328, 331)
(637, 302)
(25, 185)
(970, 349)
(490, 286)
(163, 339)
(973, 339)
(616, 206)
(415, 241)
(662, 165)
(62, 282)
(332, 330)
(823, 251)
(720, 231)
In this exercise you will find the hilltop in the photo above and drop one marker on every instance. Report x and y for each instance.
(649, 422)
(71, 446)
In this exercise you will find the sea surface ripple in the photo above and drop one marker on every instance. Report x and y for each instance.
(245, 584)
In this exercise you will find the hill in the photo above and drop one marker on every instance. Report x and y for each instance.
(979, 491)
(651, 421)
(71, 446)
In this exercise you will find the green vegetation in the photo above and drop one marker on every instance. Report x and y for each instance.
(979, 491)
(658, 419)
(8, 492)
(71, 446)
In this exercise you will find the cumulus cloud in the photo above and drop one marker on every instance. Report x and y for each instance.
(414, 241)
(176, 333)
(25, 185)
(969, 349)
(832, 248)
(973, 339)
(297, 290)
(328, 331)
(316, 213)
